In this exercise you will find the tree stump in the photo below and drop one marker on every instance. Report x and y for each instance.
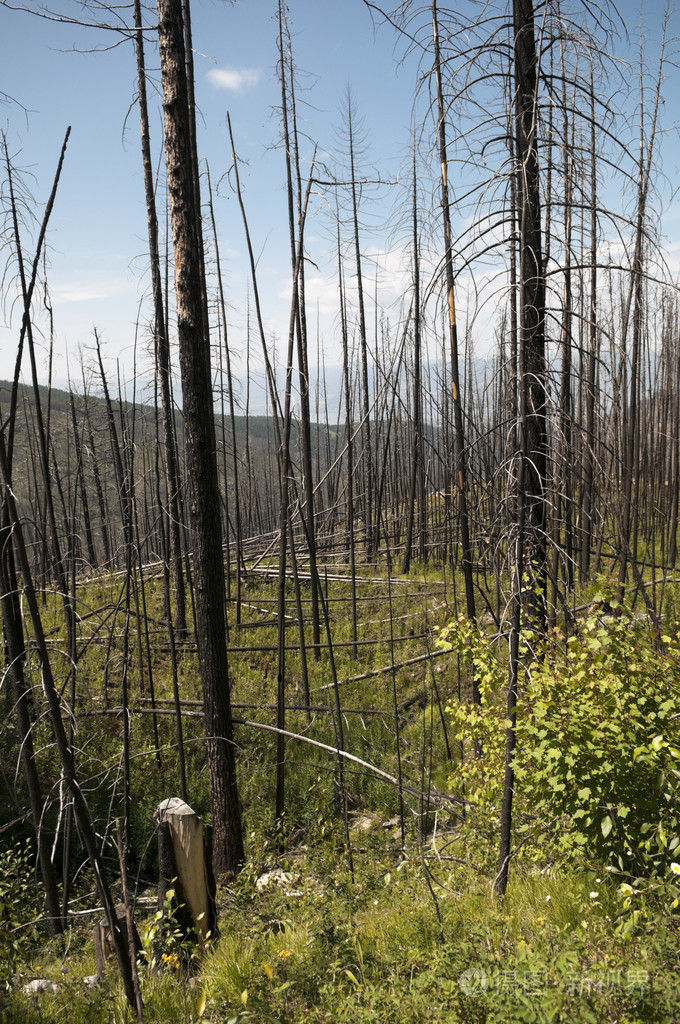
(183, 866)
(104, 948)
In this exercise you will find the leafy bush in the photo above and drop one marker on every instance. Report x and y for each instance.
(17, 908)
(597, 762)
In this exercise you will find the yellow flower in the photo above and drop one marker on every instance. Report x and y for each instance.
(283, 953)
(675, 868)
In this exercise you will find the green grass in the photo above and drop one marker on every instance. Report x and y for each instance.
(396, 938)
(377, 947)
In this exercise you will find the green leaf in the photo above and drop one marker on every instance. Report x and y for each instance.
(606, 825)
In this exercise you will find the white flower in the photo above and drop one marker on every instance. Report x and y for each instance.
(594, 895)
(598, 879)
(675, 868)
(547, 899)
(584, 924)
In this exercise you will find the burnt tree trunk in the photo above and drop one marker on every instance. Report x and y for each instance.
(161, 340)
(531, 300)
(200, 444)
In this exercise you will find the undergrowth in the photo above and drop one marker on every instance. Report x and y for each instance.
(385, 930)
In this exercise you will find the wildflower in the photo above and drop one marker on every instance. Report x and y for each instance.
(594, 895)
(584, 924)
(675, 868)
(284, 953)
(598, 879)
(547, 899)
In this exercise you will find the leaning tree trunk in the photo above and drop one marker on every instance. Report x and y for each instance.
(201, 461)
(63, 744)
(10, 607)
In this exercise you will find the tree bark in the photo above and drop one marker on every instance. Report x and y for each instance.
(200, 445)
(531, 300)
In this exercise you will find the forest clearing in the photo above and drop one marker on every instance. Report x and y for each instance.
(360, 700)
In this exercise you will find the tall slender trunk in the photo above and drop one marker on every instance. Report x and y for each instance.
(460, 443)
(587, 501)
(417, 482)
(531, 300)
(529, 570)
(294, 189)
(349, 444)
(367, 440)
(161, 340)
(200, 444)
(240, 565)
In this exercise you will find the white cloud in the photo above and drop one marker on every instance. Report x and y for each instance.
(234, 79)
(92, 290)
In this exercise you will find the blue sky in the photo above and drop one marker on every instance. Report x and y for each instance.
(97, 242)
(97, 237)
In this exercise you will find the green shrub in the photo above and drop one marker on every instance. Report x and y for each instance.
(597, 761)
(17, 908)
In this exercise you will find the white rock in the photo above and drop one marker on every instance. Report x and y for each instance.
(275, 877)
(40, 985)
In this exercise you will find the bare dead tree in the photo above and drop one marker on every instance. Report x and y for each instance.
(200, 447)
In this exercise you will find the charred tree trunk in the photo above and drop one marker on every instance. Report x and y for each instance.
(200, 444)
(161, 340)
(460, 449)
(531, 300)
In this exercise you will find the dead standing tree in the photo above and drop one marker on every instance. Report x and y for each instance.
(161, 340)
(530, 487)
(200, 444)
(460, 450)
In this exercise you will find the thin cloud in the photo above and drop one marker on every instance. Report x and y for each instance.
(235, 79)
(90, 291)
